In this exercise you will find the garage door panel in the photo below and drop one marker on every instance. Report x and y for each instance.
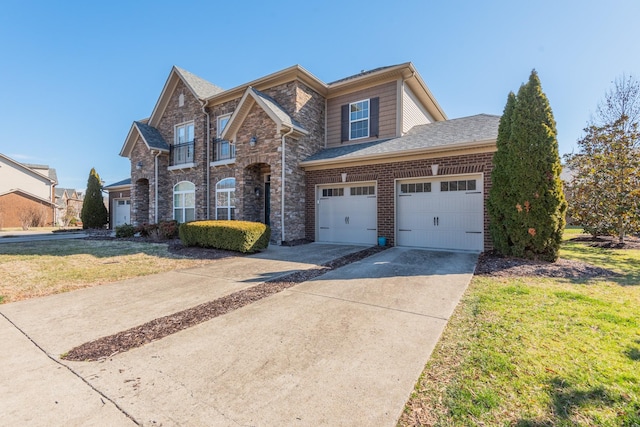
(442, 217)
(348, 218)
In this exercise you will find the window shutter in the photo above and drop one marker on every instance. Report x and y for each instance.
(374, 111)
(344, 130)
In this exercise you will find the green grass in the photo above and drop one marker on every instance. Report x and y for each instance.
(539, 352)
(34, 269)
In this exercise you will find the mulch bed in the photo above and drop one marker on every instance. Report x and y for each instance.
(164, 326)
(609, 242)
(491, 264)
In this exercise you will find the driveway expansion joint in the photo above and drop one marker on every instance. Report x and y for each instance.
(445, 319)
(58, 362)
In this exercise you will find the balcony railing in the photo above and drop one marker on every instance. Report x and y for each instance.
(223, 150)
(182, 153)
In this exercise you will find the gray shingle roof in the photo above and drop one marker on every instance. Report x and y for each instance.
(120, 183)
(481, 127)
(271, 103)
(202, 88)
(152, 136)
(51, 173)
(362, 73)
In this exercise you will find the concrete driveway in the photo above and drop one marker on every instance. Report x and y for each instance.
(343, 349)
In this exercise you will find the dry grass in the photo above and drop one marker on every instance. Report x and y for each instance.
(36, 269)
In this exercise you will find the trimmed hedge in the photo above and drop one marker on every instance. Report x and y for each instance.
(239, 236)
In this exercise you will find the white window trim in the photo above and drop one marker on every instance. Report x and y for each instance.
(368, 119)
(225, 190)
(223, 162)
(183, 208)
(181, 166)
(220, 117)
(180, 125)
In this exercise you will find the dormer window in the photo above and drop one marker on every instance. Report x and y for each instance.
(359, 119)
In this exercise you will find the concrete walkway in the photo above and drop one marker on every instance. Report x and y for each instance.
(343, 349)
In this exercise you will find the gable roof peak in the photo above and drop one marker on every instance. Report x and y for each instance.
(200, 87)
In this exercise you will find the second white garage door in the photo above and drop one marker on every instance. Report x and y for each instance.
(347, 213)
(440, 213)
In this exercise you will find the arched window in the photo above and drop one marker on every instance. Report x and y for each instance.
(184, 201)
(226, 198)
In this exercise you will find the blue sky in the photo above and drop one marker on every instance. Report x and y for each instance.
(74, 75)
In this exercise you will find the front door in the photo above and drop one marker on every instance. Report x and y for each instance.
(267, 203)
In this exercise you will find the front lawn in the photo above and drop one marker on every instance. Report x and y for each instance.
(533, 351)
(46, 267)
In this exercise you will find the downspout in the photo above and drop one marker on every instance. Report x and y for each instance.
(156, 187)
(204, 110)
(282, 186)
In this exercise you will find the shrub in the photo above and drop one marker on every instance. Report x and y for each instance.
(125, 231)
(240, 236)
(163, 230)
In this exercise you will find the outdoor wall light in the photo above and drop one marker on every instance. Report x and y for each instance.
(257, 191)
(253, 140)
(139, 165)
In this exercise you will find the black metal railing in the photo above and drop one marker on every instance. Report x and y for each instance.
(223, 150)
(182, 153)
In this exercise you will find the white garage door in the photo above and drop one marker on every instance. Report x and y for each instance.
(122, 212)
(442, 213)
(347, 213)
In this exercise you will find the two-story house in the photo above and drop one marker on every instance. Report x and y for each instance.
(27, 194)
(68, 206)
(372, 155)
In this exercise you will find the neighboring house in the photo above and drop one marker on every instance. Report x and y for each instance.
(68, 206)
(27, 194)
(372, 155)
(119, 203)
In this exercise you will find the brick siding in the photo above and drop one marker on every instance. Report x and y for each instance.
(385, 175)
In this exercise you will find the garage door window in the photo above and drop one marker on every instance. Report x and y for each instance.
(464, 185)
(332, 192)
(418, 187)
(368, 190)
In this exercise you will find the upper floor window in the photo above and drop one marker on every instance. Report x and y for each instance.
(222, 123)
(223, 149)
(359, 119)
(182, 150)
(184, 133)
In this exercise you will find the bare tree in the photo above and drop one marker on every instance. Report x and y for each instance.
(622, 100)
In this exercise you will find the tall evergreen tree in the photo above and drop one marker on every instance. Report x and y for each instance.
(530, 191)
(94, 213)
(499, 201)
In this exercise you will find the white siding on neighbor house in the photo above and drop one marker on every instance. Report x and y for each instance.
(413, 113)
(14, 177)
